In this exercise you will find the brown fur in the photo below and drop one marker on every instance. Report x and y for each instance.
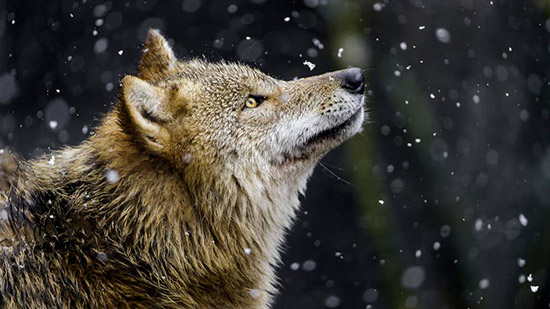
(179, 200)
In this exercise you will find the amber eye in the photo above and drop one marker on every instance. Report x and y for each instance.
(254, 101)
(251, 102)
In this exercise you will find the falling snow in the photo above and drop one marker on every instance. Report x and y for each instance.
(443, 35)
(340, 52)
(413, 277)
(112, 176)
(378, 6)
(450, 168)
(255, 293)
(309, 265)
(523, 220)
(484, 283)
(332, 301)
(309, 64)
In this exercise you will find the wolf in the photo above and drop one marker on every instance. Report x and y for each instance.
(182, 196)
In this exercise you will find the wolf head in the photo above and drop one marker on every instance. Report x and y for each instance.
(198, 112)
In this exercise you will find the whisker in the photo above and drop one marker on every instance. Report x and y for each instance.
(335, 175)
(362, 140)
(334, 167)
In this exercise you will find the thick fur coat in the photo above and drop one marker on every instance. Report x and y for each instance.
(182, 196)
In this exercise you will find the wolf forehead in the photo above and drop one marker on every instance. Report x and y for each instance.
(222, 72)
(232, 80)
(159, 66)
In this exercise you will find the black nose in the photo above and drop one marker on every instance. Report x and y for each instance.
(353, 80)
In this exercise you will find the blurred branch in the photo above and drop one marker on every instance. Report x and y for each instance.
(349, 38)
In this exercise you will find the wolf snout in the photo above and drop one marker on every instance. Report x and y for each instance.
(352, 80)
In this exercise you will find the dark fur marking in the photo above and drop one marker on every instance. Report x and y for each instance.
(147, 115)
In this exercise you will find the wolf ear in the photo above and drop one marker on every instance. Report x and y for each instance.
(146, 105)
(157, 58)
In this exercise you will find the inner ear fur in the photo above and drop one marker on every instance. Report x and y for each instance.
(147, 108)
(157, 59)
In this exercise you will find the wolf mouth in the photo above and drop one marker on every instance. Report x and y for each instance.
(334, 132)
(303, 152)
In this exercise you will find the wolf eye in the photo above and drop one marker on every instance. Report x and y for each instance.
(254, 101)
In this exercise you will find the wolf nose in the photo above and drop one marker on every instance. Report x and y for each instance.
(353, 80)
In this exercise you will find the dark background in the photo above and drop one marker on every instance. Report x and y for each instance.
(442, 202)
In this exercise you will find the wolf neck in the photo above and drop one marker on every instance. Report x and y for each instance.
(232, 220)
(256, 196)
